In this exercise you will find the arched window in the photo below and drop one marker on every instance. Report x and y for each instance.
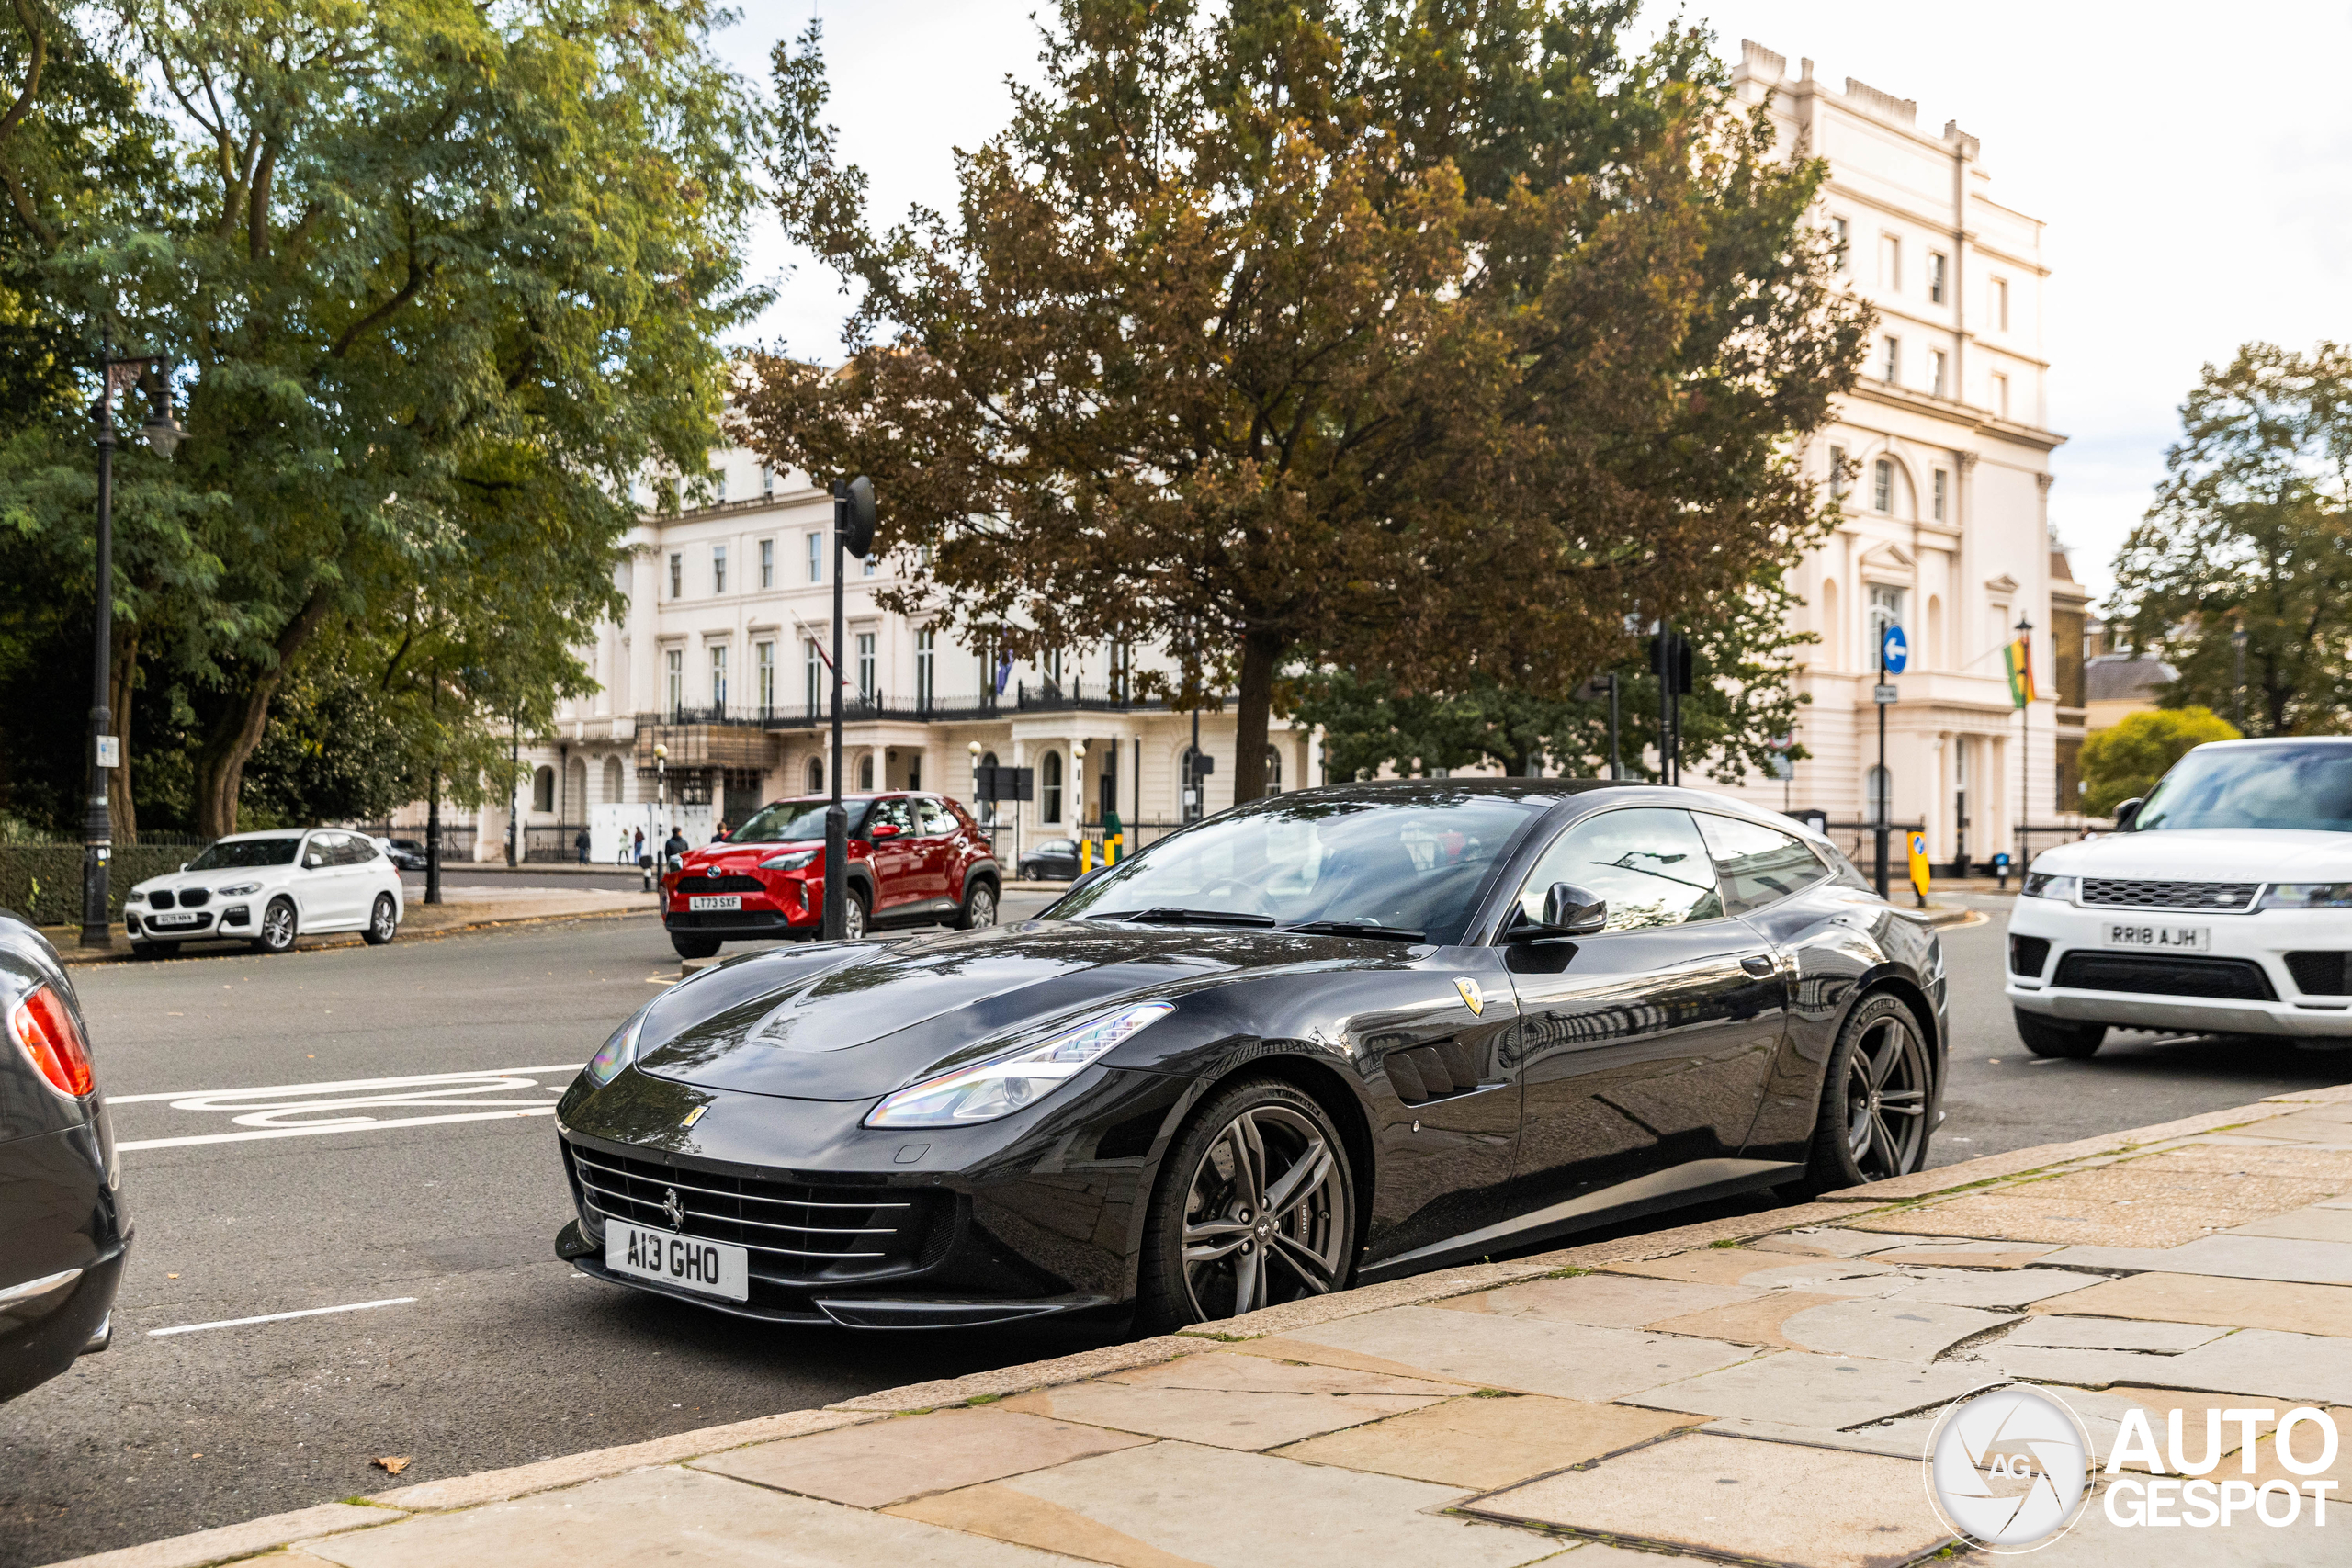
(612, 781)
(987, 808)
(1050, 787)
(543, 790)
(816, 776)
(1273, 769)
(1883, 485)
(1189, 786)
(866, 773)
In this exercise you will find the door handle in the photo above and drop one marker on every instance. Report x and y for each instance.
(1757, 964)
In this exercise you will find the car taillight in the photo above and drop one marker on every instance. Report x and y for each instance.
(45, 1031)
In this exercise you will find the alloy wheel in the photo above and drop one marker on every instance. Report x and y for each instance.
(277, 925)
(1265, 1215)
(983, 907)
(385, 921)
(1886, 1100)
(854, 920)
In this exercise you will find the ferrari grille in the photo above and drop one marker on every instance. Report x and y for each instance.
(793, 1230)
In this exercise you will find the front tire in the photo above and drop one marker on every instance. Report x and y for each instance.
(1255, 1206)
(2067, 1042)
(695, 946)
(856, 916)
(979, 906)
(383, 921)
(279, 927)
(1874, 1099)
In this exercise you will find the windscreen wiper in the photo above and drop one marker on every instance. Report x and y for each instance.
(1166, 916)
(1357, 928)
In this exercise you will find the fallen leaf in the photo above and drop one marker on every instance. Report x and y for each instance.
(392, 1464)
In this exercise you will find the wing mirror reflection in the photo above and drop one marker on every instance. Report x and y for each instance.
(1568, 910)
(2128, 813)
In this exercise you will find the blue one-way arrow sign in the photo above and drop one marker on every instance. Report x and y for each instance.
(1894, 650)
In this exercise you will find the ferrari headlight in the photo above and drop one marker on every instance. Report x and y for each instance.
(987, 1090)
(2308, 896)
(2042, 884)
(617, 1052)
(793, 862)
(237, 890)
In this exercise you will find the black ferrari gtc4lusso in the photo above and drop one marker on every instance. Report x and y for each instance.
(1328, 1038)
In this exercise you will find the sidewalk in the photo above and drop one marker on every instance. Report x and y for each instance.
(1751, 1389)
(479, 907)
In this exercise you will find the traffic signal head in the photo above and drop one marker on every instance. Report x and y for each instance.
(856, 515)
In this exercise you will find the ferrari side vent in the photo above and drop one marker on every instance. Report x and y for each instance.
(1431, 1071)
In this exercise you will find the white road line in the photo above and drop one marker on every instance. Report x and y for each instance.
(278, 1316)
(359, 1125)
(342, 1084)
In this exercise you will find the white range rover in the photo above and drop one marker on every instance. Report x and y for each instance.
(2223, 905)
(267, 888)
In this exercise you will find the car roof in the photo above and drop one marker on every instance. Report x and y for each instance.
(265, 833)
(2262, 742)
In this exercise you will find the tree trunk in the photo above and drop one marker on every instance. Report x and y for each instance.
(221, 760)
(1261, 656)
(122, 679)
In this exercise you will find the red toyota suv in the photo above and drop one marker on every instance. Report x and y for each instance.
(913, 859)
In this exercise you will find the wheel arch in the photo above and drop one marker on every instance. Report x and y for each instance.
(1329, 1089)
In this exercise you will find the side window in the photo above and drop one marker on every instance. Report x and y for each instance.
(358, 850)
(932, 818)
(1648, 861)
(324, 849)
(891, 813)
(1761, 865)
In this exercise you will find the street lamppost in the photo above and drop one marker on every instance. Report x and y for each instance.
(151, 373)
(2237, 679)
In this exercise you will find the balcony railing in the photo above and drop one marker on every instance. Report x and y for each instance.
(1020, 697)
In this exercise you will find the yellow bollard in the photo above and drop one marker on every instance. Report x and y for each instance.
(1085, 856)
(1920, 867)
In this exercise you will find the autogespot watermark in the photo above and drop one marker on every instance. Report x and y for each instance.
(2009, 1469)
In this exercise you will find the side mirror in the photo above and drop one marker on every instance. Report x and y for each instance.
(884, 831)
(183, 866)
(2129, 813)
(1568, 910)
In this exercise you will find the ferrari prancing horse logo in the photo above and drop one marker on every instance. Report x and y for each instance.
(1472, 998)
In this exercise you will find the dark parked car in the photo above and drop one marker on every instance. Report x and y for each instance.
(1329, 1038)
(913, 859)
(1055, 860)
(406, 854)
(63, 1230)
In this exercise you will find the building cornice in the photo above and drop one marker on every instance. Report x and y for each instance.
(1973, 420)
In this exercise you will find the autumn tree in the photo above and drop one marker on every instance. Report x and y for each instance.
(2252, 528)
(1432, 340)
(2124, 762)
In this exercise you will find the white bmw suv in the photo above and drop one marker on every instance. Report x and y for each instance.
(267, 888)
(2224, 905)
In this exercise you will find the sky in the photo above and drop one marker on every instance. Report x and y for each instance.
(2193, 166)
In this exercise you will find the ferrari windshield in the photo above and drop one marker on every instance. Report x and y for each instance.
(1411, 869)
(2307, 787)
(229, 854)
(787, 821)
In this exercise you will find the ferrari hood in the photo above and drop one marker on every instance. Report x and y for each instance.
(856, 1022)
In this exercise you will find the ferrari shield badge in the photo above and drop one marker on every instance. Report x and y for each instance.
(1472, 998)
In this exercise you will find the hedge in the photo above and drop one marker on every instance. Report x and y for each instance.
(43, 881)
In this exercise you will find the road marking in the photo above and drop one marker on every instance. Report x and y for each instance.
(278, 1316)
(304, 1111)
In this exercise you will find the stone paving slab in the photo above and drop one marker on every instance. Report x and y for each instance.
(2309, 1368)
(1941, 1252)
(1601, 1299)
(1217, 1417)
(2304, 1261)
(1768, 1502)
(1489, 1442)
(2195, 1298)
(1738, 1265)
(1797, 1388)
(2111, 1334)
(2002, 1290)
(2316, 1223)
(874, 1465)
(1564, 1359)
(231, 1541)
(2011, 1215)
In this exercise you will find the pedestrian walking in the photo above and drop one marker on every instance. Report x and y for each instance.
(636, 847)
(718, 834)
(580, 842)
(673, 852)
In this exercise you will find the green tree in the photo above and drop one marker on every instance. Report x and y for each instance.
(2124, 763)
(1418, 338)
(2252, 527)
(440, 281)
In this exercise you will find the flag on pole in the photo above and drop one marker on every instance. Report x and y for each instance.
(2019, 656)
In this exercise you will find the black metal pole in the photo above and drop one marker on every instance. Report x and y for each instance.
(836, 814)
(1199, 807)
(1616, 755)
(514, 788)
(98, 822)
(2237, 682)
(1665, 701)
(433, 839)
(1881, 786)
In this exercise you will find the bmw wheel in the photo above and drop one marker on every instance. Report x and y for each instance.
(1256, 1206)
(278, 927)
(1874, 1099)
(383, 921)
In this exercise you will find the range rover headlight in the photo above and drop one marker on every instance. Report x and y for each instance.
(2308, 896)
(987, 1090)
(238, 889)
(616, 1053)
(2042, 884)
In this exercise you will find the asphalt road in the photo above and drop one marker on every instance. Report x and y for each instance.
(503, 1356)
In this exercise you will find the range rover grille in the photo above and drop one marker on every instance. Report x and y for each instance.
(2124, 893)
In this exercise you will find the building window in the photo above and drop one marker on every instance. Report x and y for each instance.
(1935, 278)
(1273, 769)
(718, 675)
(719, 569)
(1891, 360)
(1841, 243)
(866, 775)
(1936, 372)
(1189, 793)
(1051, 668)
(2001, 304)
(870, 565)
(767, 563)
(1123, 671)
(1050, 787)
(1890, 263)
(543, 790)
(2001, 396)
(1883, 485)
(613, 781)
(816, 776)
(866, 667)
(926, 655)
(673, 661)
(816, 557)
(815, 667)
(1886, 610)
(1838, 483)
(763, 655)
(767, 478)
(1942, 489)
(718, 486)
(677, 574)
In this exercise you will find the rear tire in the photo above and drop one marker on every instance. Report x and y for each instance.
(383, 921)
(278, 927)
(696, 946)
(1873, 1122)
(2066, 1042)
(1258, 1178)
(979, 906)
